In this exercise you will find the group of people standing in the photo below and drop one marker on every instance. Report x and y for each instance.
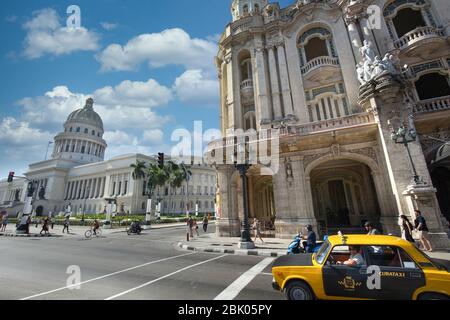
(192, 227)
(420, 226)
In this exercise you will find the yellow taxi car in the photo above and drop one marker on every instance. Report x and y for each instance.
(381, 267)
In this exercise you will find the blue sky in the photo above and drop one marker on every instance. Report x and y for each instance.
(148, 65)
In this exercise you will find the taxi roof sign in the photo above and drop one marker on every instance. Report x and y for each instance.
(343, 238)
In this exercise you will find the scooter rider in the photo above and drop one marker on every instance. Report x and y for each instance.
(311, 240)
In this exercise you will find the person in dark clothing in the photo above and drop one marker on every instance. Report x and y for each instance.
(311, 240)
(205, 224)
(420, 224)
(407, 229)
(44, 226)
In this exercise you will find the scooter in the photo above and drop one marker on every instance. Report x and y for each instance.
(297, 246)
(135, 228)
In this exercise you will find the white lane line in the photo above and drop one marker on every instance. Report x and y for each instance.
(107, 275)
(163, 277)
(240, 283)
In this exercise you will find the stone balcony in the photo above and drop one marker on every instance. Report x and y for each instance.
(360, 121)
(321, 67)
(247, 91)
(430, 36)
(430, 105)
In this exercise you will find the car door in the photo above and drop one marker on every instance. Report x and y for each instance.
(400, 276)
(345, 281)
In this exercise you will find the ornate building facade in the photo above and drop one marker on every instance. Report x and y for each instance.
(335, 78)
(77, 174)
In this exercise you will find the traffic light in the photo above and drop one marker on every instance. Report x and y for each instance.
(161, 160)
(11, 177)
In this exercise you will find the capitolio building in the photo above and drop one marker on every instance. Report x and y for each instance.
(358, 93)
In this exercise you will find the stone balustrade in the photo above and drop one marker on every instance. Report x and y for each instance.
(416, 35)
(247, 84)
(303, 129)
(318, 63)
(436, 104)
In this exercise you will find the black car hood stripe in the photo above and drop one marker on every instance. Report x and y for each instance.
(304, 259)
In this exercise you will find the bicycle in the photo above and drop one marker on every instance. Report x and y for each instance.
(89, 233)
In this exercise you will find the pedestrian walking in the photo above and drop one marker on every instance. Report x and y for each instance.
(4, 222)
(407, 229)
(28, 224)
(257, 228)
(44, 226)
(66, 224)
(420, 225)
(189, 228)
(205, 224)
(195, 227)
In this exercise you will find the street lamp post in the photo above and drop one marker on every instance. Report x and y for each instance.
(406, 136)
(246, 240)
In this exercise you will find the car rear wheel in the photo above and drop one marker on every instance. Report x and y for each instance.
(298, 290)
(433, 296)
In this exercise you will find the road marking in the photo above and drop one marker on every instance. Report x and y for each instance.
(107, 275)
(163, 277)
(240, 283)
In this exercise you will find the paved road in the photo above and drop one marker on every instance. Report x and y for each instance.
(124, 267)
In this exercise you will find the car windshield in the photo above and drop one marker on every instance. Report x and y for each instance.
(323, 252)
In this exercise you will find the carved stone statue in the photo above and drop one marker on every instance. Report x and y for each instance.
(367, 52)
(372, 66)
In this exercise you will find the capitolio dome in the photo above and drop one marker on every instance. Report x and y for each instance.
(86, 115)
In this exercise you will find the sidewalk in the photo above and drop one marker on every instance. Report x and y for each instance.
(75, 231)
(272, 247)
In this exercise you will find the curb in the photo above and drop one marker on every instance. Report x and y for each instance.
(239, 252)
(13, 235)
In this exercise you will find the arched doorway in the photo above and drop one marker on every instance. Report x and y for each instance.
(344, 194)
(439, 165)
(39, 211)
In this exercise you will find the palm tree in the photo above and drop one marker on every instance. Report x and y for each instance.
(158, 177)
(176, 176)
(186, 175)
(139, 169)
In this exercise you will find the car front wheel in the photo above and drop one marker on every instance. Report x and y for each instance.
(298, 290)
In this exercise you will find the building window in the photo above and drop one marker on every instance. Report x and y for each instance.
(199, 190)
(78, 129)
(407, 20)
(120, 188)
(125, 187)
(113, 189)
(71, 129)
(83, 149)
(432, 85)
(86, 131)
(206, 191)
(143, 205)
(245, 9)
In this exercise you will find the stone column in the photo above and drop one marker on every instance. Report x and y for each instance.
(276, 96)
(386, 101)
(262, 100)
(354, 38)
(285, 86)
(228, 224)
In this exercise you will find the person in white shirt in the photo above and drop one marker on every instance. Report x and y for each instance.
(356, 259)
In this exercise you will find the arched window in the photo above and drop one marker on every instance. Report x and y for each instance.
(78, 129)
(406, 20)
(86, 131)
(315, 48)
(245, 9)
(83, 149)
(93, 132)
(71, 129)
(257, 8)
(432, 85)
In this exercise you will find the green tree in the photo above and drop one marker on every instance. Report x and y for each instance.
(139, 173)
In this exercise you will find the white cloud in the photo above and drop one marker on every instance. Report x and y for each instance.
(134, 94)
(169, 47)
(154, 136)
(193, 87)
(19, 133)
(46, 35)
(127, 105)
(108, 26)
(117, 138)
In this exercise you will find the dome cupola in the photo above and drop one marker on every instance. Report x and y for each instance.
(244, 8)
(82, 139)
